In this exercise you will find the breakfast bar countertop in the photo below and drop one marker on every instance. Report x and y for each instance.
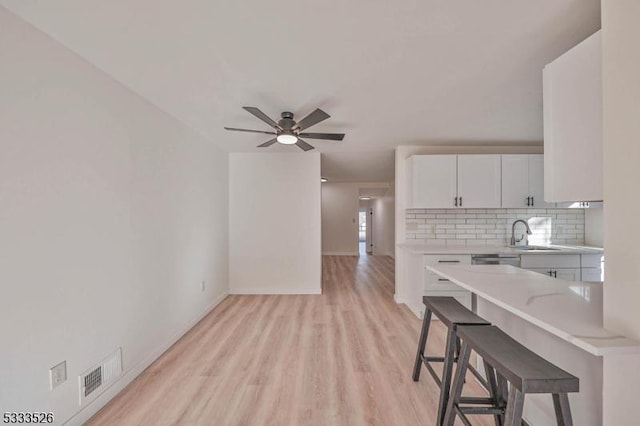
(569, 310)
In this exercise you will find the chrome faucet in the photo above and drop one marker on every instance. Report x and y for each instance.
(513, 231)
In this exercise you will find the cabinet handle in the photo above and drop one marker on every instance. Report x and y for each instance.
(555, 274)
(550, 273)
(455, 202)
(442, 279)
(533, 203)
(448, 261)
(460, 201)
(528, 201)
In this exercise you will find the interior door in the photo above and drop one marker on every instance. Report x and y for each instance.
(479, 181)
(369, 242)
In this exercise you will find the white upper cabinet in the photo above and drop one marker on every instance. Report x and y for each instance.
(573, 124)
(449, 181)
(536, 182)
(515, 181)
(479, 181)
(433, 181)
(523, 181)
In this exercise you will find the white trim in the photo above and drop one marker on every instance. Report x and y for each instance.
(274, 290)
(94, 406)
(341, 253)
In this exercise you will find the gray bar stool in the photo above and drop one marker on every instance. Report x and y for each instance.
(526, 371)
(452, 314)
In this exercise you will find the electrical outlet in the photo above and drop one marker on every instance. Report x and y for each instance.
(57, 375)
(202, 286)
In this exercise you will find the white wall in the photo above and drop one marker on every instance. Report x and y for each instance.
(621, 108)
(594, 227)
(340, 206)
(274, 223)
(112, 213)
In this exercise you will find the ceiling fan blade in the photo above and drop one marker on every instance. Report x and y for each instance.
(327, 136)
(262, 116)
(312, 119)
(303, 145)
(268, 143)
(250, 131)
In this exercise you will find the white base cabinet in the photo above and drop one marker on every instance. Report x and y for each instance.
(569, 274)
(562, 266)
(435, 285)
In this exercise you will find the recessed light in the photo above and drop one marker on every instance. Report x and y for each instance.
(365, 198)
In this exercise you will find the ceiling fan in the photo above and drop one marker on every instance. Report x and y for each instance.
(289, 131)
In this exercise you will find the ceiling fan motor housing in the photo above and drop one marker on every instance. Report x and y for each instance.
(287, 122)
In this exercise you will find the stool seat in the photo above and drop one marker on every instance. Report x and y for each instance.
(524, 369)
(451, 312)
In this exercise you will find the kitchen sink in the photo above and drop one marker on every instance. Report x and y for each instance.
(529, 248)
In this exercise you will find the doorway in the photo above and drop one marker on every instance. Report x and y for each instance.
(365, 231)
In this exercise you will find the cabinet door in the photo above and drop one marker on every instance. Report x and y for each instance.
(572, 86)
(568, 274)
(479, 181)
(536, 181)
(592, 275)
(433, 181)
(515, 181)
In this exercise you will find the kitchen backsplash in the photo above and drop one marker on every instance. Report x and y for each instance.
(493, 226)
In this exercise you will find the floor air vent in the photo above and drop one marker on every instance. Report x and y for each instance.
(95, 380)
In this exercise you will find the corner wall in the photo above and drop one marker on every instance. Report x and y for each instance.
(621, 107)
(274, 223)
(112, 215)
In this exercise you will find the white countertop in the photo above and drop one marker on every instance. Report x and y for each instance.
(417, 248)
(567, 309)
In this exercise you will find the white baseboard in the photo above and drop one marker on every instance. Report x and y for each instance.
(341, 253)
(94, 406)
(274, 290)
(417, 311)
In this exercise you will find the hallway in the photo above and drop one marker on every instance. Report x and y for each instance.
(341, 358)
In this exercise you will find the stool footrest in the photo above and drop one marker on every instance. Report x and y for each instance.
(480, 410)
(476, 400)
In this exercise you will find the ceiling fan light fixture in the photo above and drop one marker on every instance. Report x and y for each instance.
(287, 139)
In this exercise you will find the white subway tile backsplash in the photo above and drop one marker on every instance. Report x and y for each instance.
(493, 226)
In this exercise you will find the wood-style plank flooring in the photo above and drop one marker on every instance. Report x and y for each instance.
(341, 358)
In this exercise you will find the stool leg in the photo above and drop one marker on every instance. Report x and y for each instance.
(458, 383)
(421, 345)
(513, 414)
(493, 391)
(447, 372)
(563, 411)
(503, 391)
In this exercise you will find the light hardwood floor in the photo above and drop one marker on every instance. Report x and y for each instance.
(341, 358)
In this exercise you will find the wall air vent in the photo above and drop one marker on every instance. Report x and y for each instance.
(96, 379)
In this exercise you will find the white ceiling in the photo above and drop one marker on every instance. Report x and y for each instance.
(389, 72)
